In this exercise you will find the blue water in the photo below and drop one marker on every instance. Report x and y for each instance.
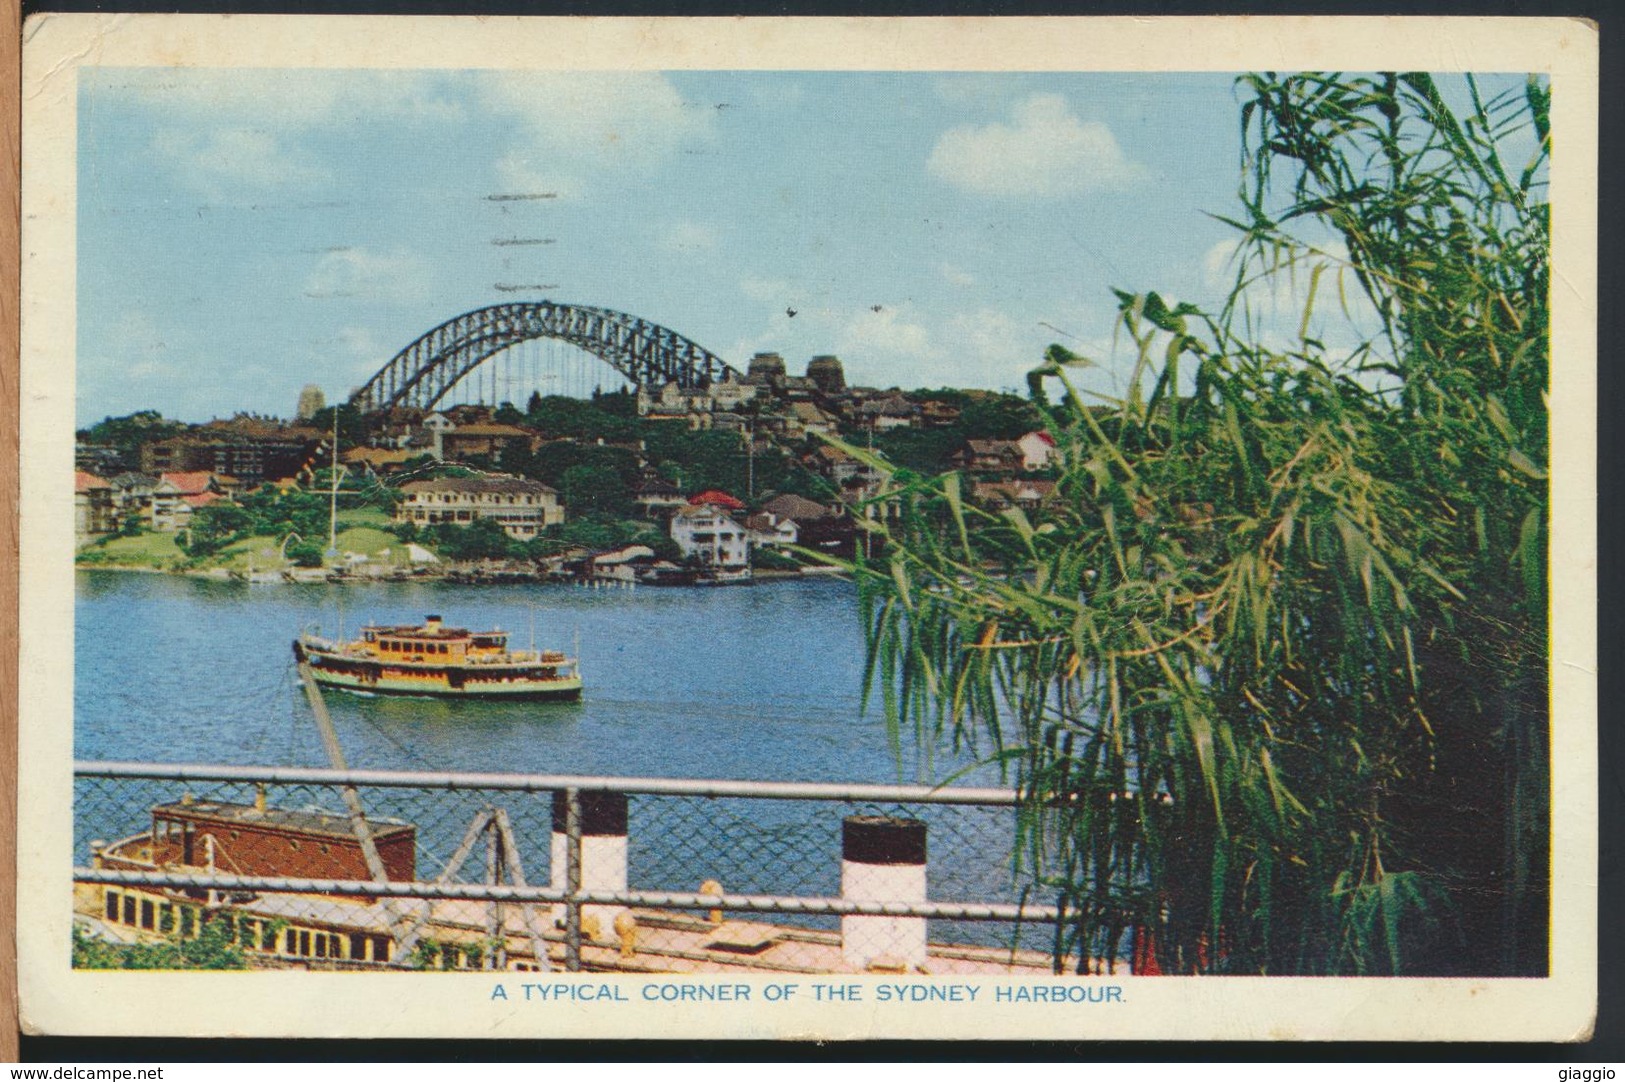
(760, 682)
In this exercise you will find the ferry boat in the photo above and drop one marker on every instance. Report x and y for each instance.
(433, 659)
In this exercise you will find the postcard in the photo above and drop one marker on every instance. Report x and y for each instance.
(1052, 528)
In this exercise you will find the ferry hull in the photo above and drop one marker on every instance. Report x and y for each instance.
(554, 691)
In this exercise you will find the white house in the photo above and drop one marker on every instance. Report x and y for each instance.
(436, 425)
(710, 534)
(1037, 451)
(522, 508)
(768, 530)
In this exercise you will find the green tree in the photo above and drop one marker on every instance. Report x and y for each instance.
(128, 434)
(305, 554)
(1272, 676)
(217, 524)
(481, 539)
(595, 489)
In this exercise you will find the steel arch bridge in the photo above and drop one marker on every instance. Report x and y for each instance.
(646, 353)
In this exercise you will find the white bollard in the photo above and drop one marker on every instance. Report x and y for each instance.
(603, 853)
(882, 860)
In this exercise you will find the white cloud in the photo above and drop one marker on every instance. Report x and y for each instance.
(956, 276)
(571, 123)
(688, 237)
(889, 334)
(219, 162)
(396, 275)
(1045, 151)
(227, 132)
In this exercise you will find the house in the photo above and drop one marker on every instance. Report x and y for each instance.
(711, 536)
(935, 414)
(674, 402)
(180, 492)
(521, 507)
(430, 435)
(132, 495)
(768, 530)
(1037, 451)
(1025, 494)
(93, 510)
(808, 418)
(797, 389)
(469, 413)
(799, 508)
(818, 526)
(728, 394)
(842, 469)
(382, 461)
(893, 411)
(619, 565)
(249, 449)
(1003, 457)
(486, 438)
(717, 498)
(100, 459)
(656, 495)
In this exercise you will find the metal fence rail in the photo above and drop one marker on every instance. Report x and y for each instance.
(500, 871)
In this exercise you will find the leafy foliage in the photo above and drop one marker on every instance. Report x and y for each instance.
(215, 947)
(128, 434)
(1272, 674)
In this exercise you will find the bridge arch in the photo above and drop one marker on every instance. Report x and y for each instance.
(645, 353)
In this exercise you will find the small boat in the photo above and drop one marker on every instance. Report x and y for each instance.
(433, 659)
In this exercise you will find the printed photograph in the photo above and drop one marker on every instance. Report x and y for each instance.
(930, 537)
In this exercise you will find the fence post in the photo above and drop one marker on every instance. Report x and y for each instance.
(883, 860)
(600, 833)
(572, 880)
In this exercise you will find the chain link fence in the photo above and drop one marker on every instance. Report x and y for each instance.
(471, 871)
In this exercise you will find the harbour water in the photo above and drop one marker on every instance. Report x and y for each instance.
(760, 682)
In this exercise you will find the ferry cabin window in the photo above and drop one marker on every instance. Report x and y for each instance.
(267, 937)
(110, 906)
(129, 909)
(188, 920)
(166, 918)
(149, 914)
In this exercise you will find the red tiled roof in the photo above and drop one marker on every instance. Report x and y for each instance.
(718, 498)
(188, 482)
(201, 499)
(84, 482)
(490, 430)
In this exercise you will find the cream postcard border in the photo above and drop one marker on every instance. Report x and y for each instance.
(56, 999)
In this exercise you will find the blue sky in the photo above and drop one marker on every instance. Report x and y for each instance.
(245, 232)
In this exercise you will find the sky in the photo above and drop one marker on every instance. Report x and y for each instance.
(243, 233)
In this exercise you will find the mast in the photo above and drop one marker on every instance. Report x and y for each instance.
(333, 497)
(352, 799)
